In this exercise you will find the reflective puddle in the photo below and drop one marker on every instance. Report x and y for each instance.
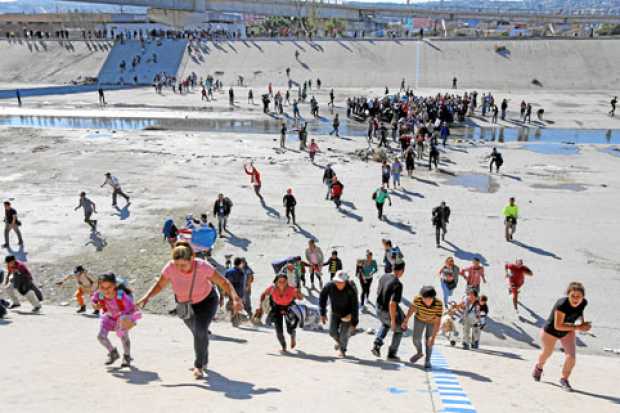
(552, 148)
(475, 182)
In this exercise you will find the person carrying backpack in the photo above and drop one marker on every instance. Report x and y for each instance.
(380, 196)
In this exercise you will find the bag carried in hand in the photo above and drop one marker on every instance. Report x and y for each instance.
(185, 311)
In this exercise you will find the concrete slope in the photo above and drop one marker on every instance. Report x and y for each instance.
(50, 62)
(57, 353)
(557, 64)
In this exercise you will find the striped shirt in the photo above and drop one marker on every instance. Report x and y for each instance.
(427, 314)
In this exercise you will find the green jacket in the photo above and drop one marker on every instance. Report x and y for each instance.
(511, 211)
(381, 197)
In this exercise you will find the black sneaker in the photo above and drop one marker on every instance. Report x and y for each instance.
(427, 365)
(393, 357)
(376, 351)
(537, 373)
(112, 357)
(36, 309)
(565, 385)
(126, 361)
(474, 345)
(96, 312)
(82, 309)
(465, 346)
(14, 305)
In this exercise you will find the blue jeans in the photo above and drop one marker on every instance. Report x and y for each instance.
(396, 179)
(447, 293)
(384, 329)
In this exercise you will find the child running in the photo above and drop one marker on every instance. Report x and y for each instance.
(282, 297)
(120, 314)
(86, 284)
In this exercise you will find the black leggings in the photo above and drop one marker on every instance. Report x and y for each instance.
(204, 312)
(278, 315)
(365, 289)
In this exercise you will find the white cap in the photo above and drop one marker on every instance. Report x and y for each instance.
(341, 276)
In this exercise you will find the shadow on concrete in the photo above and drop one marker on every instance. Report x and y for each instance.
(503, 331)
(465, 255)
(134, 375)
(536, 250)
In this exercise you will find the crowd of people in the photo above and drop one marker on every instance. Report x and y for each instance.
(416, 123)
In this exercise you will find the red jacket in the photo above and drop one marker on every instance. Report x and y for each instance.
(337, 188)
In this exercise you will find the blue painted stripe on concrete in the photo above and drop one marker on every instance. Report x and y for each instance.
(448, 384)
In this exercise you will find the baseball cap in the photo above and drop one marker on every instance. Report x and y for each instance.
(341, 276)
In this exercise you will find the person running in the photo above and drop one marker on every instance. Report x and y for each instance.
(449, 279)
(18, 279)
(396, 170)
(470, 308)
(562, 325)
(333, 264)
(231, 97)
(289, 203)
(303, 136)
(248, 280)
(236, 277)
(433, 156)
(312, 150)
(11, 223)
(89, 209)
(328, 179)
(496, 159)
(192, 282)
(119, 314)
(386, 171)
(444, 132)
(314, 259)
(335, 125)
(250, 96)
(86, 284)
(255, 179)
(613, 104)
(337, 188)
(344, 319)
(410, 160)
(515, 276)
(454, 80)
(282, 297)
(511, 213)
(428, 311)
(116, 188)
(221, 209)
(389, 313)
(283, 135)
(441, 217)
(474, 274)
(380, 196)
(366, 269)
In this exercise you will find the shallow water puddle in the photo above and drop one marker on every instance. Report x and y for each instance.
(475, 182)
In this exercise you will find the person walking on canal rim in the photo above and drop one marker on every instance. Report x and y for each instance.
(511, 213)
(192, 282)
(428, 311)
(342, 296)
(116, 188)
(563, 325)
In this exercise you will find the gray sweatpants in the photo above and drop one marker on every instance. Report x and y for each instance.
(418, 330)
(471, 330)
(7, 230)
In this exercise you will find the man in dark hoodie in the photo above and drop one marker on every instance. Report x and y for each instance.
(345, 310)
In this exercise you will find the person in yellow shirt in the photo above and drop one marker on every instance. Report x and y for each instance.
(511, 213)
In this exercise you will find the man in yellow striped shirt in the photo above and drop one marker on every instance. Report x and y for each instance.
(428, 310)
